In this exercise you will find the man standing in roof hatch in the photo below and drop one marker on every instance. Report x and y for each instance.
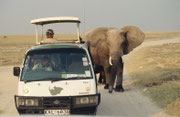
(49, 37)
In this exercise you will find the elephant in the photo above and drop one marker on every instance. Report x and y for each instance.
(102, 77)
(108, 45)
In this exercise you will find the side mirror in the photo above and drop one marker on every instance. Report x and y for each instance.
(16, 71)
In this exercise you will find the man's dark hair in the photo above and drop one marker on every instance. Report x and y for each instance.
(49, 32)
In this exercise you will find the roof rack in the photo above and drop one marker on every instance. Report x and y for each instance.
(50, 20)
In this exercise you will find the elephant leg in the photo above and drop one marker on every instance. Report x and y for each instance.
(119, 81)
(112, 80)
(100, 78)
(110, 73)
(103, 76)
(108, 77)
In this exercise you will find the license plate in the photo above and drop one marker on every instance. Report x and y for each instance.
(57, 112)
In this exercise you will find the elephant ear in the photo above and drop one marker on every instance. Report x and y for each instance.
(133, 38)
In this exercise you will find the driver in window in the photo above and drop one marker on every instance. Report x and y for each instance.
(44, 65)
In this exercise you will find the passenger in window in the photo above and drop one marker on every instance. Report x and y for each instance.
(44, 65)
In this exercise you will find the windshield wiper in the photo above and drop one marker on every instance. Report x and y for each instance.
(76, 77)
(56, 79)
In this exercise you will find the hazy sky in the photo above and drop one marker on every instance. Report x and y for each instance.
(148, 15)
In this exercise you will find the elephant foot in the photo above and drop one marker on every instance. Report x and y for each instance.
(110, 89)
(119, 89)
(106, 86)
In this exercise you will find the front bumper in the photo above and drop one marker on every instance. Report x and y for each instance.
(55, 103)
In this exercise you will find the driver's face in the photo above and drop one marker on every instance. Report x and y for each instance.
(45, 63)
(50, 36)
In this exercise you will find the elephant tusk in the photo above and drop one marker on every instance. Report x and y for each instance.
(110, 62)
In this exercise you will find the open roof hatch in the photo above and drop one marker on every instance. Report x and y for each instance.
(50, 20)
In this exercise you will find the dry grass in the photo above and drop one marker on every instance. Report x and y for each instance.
(173, 108)
(15, 40)
(65, 36)
(13, 47)
(162, 35)
(156, 71)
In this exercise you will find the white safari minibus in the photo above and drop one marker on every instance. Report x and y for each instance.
(57, 78)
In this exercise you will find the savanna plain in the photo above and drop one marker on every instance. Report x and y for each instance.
(155, 69)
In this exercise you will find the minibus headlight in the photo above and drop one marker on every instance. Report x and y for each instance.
(22, 101)
(93, 99)
(31, 102)
(86, 100)
(82, 100)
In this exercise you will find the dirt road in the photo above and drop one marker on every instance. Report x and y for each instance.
(8, 88)
(130, 103)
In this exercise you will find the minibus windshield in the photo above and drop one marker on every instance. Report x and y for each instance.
(56, 64)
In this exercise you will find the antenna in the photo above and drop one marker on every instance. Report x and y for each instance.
(84, 14)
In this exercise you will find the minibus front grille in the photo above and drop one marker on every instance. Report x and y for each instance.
(56, 102)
